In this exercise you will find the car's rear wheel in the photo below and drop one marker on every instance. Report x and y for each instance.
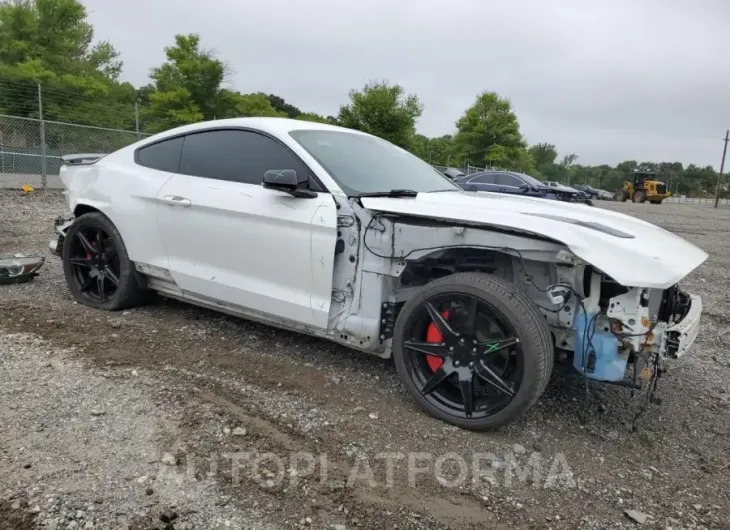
(472, 350)
(96, 265)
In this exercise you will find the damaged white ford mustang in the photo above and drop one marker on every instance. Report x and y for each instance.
(339, 234)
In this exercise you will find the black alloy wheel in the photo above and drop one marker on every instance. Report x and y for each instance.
(94, 262)
(479, 367)
(474, 352)
(98, 270)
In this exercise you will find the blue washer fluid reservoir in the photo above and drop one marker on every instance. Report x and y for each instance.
(603, 362)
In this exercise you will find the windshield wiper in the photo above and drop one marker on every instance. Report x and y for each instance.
(391, 193)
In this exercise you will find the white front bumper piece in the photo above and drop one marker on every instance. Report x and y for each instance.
(680, 337)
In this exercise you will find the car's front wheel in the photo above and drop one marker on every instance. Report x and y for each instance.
(96, 265)
(473, 350)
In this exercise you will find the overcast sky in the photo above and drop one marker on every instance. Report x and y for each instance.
(608, 80)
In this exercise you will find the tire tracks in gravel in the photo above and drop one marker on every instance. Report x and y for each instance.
(442, 508)
(188, 341)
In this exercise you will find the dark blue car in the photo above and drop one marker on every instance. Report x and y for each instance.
(516, 183)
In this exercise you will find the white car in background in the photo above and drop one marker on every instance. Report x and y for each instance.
(558, 186)
(342, 235)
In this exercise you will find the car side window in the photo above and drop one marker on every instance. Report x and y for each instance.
(508, 180)
(239, 156)
(483, 179)
(163, 156)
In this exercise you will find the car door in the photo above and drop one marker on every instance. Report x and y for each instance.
(507, 183)
(233, 242)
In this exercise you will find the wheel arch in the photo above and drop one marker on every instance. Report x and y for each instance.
(82, 209)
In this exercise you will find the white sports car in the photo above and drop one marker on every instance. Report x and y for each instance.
(339, 234)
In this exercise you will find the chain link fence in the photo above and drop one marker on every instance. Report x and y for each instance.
(31, 144)
(34, 147)
(469, 169)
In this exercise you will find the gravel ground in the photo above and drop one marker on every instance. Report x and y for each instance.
(170, 416)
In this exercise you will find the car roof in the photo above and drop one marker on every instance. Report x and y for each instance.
(275, 126)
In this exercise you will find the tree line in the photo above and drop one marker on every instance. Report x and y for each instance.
(50, 42)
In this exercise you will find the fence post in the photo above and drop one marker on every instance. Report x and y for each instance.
(44, 173)
(136, 118)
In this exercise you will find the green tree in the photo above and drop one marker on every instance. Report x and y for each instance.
(488, 133)
(312, 116)
(196, 71)
(169, 109)
(384, 110)
(49, 42)
(251, 105)
(280, 105)
(543, 154)
(437, 151)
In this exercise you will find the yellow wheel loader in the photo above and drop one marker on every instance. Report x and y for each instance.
(644, 187)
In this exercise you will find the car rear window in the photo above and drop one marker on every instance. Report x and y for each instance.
(163, 156)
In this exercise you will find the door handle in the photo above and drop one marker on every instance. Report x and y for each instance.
(176, 200)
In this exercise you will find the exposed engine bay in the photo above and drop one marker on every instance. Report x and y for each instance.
(613, 333)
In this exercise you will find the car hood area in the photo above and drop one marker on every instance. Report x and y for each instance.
(633, 252)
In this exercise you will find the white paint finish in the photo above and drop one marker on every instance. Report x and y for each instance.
(125, 193)
(249, 246)
(654, 257)
(267, 256)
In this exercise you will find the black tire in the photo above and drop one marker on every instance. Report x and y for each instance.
(127, 292)
(640, 196)
(622, 195)
(524, 317)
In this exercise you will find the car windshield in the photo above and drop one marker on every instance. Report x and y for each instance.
(532, 181)
(365, 164)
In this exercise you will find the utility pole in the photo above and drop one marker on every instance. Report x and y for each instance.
(722, 167)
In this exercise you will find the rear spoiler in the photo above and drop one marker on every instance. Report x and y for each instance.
(82, 159)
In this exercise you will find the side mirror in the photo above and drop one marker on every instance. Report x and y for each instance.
(286, 180)
(524, 188)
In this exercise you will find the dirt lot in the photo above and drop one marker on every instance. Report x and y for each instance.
(169, 416)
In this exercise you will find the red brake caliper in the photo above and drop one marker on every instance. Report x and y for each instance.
(434, 335)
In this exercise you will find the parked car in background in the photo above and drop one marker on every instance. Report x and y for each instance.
(582, 195)
(454, 173)
(519, 184)
(504, 182)
(605, 195)
(558, 186)
(585, 188)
